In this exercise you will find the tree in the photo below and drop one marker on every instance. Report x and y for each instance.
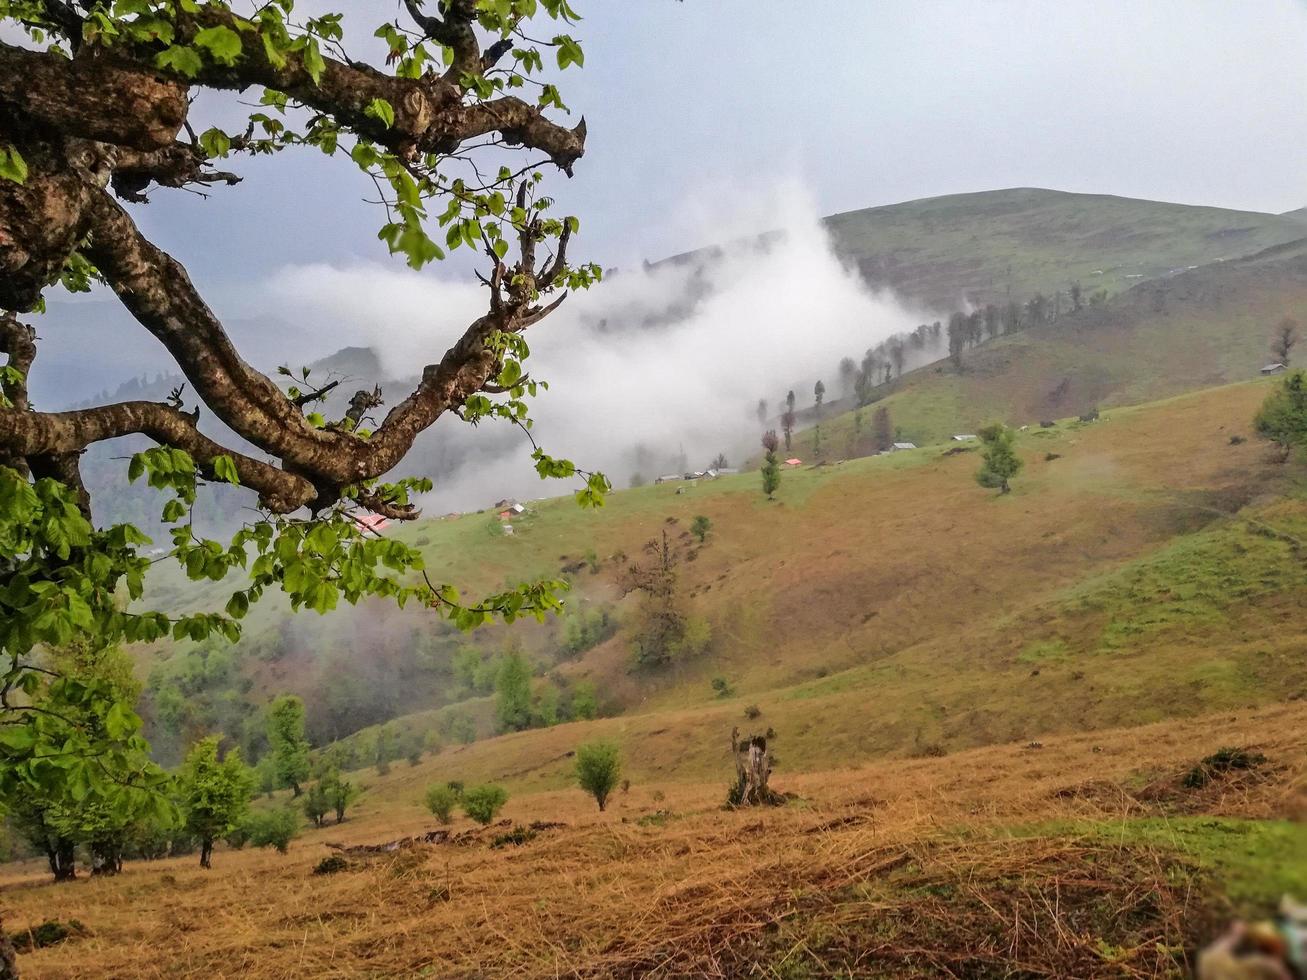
(483, 803)
(1283, 416)
(882, 430)
(1001, 462)
(993, 320)
(339, 791)
(848, 375)
(214, 793)
(384, 750)
(771, 467)
(897, 355)
(762, 410)
(290, 748)
(84, 692)
(585, 702)
(598, 768)
(957, 338)
(661, 630)
(132, 97)
(513, 692)
(274, 828)
(700, 527)
(1285, 339)
(789, 399)
(1077, 296)
(316, 804)
(1012, 317)
(787, 426)
(720, 462)
(441, 800)
(818, 393)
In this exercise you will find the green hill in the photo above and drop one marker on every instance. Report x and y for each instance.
(1009, 244)
(1145, 567)
(1206, 326)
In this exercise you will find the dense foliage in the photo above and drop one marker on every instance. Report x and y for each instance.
(440, 131)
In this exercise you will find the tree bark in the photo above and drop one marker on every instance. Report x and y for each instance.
(206, 852)
(63, 860)
(752, 772)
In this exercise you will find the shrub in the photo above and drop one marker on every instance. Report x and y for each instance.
(330, 865)
(441, 801)
(274, 828)
(598, 767)
(483, 803)
(316, 803)
(722, 687)
(752, 711)
(1220, 762)
(700, 527)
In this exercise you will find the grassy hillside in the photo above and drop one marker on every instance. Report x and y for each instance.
(1085, 857)
(1009, 244)
(1203, 327)
(1144, 567)
(986, 708)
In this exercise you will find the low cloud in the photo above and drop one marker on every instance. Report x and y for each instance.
(656, 364)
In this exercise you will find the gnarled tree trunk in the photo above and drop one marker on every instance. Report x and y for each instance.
(752, 771)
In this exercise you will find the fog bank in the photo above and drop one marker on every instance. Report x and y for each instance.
(655, 365)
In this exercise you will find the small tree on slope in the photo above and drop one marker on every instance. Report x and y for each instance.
(771, 467)
(1001, 462)
(215, 794)
(598, 768)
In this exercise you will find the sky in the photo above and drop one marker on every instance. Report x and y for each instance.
(1194, 101)
(709, 120)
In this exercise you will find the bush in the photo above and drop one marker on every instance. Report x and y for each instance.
(598, 766)
(1220, 762)
(483, 803)
(441, 801)
(330, 865)
(722, 687)
(752, 711)
(273, 828)
(700, 527)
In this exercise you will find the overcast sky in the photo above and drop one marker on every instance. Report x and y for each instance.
(700, 110)
(866, 102)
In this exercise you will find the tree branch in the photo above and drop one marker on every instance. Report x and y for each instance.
(58, 434)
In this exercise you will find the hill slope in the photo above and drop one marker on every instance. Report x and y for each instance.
(1110, 573)
(1202, 327)
(999, 245)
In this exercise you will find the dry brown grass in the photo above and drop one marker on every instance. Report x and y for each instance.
(892, 869)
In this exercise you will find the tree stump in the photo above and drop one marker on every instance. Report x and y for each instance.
(752, 771)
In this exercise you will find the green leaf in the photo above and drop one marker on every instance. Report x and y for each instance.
(222, 43)
(381, 110)
(224, 468)
(313, 62)
(569, 52)
(215, 143)
(12, 165)
(183, 60)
